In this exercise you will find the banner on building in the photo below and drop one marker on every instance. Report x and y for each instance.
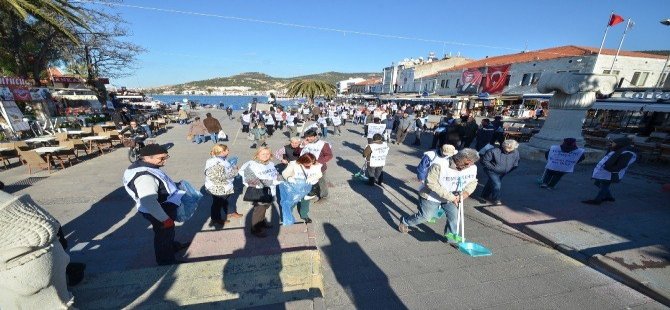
(470, 81)
(6, 93)
(13, 116)
(495, 79)
(67, 79)
(21, 93)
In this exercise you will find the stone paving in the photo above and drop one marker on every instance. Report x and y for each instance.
(366, 262)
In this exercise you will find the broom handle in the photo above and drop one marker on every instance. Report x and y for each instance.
(461, 213)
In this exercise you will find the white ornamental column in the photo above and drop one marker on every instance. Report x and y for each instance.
(32, 261)
(574, 94)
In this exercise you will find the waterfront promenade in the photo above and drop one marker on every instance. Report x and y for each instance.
(365, 262)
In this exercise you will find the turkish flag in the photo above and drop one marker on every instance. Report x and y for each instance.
(615, 19)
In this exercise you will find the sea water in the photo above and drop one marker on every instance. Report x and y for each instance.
(237, 102)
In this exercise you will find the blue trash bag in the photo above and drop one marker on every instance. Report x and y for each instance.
(291, 194)
(232, 160)
(189, 202)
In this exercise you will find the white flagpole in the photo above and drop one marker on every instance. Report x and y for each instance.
(620, 44)
(605, 35)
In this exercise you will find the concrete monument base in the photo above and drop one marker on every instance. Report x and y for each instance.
(527, 151)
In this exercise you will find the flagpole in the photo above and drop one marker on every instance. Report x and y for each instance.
(620, 44)
(605, 35)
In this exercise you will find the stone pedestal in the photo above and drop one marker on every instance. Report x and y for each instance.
(574, 94)
(32, 261)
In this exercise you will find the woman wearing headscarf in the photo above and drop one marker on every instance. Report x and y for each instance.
(561, 159)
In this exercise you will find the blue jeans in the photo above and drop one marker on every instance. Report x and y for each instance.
(199, 139)
(604, 192)
(214, 137)
(428, 209)
(493, 185)
(324, 131)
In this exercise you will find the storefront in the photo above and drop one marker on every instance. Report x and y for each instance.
(530, 103)
(19, 102)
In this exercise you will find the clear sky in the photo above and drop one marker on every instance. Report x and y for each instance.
(183, 47)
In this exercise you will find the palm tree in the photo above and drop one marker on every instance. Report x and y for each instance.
(55, 13)
(310, 89)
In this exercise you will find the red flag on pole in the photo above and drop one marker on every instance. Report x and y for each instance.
(615, 19)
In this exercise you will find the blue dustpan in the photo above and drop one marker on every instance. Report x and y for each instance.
(474, 249)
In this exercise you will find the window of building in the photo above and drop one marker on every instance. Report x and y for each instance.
(442, 83)
(664, 79)
(446, 84)
(639, 78)
(507, 78)
(613, 72)
(458, 83)
(525, 80)
(536, 78)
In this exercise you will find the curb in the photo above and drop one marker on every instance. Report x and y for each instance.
(598, 262)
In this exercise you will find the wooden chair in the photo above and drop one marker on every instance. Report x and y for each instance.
(5, 156)
(61, 136)
(21, 146)
(113, 136)
(69, 152)
(78, 145)
(86, 131)
(34, 160)
(97, 130)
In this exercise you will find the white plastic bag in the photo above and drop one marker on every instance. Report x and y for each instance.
(189, 201)
(222, 135)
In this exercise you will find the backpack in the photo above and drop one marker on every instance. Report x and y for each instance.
(424, 164)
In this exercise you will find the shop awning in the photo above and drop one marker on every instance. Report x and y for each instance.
(537, 96)
(657, 107)
(618, 106)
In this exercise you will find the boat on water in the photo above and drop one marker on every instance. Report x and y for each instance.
(140, 101)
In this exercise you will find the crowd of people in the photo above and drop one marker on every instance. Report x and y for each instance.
(448, 172)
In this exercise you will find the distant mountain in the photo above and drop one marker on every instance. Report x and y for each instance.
(261, 82)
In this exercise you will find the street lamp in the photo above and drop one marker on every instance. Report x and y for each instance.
(660, 81)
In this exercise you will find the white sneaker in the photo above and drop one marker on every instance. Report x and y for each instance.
(309, 197)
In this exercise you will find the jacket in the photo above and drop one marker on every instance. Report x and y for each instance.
(484, 136)
(406, 124)
(197, 128)
(497, 161)
(433, 184)
(212, 124)
(293, 166)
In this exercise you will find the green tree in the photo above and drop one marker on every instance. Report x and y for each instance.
(310, 89)
(55, 13)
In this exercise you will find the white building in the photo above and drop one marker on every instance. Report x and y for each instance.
(343, 86)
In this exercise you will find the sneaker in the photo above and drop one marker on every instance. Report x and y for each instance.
(308, 220)
(592, 202)
(544, 186)
(497, 203)
(309, 197)
(403, 228)
(453, 238)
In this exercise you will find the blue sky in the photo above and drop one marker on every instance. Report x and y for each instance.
(184, 47)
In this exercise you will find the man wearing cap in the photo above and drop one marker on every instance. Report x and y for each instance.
(321, 150)
(156, 198)
(561, 159)
(611, 169)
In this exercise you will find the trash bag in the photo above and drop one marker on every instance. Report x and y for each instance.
(189, 202)
(290, 194)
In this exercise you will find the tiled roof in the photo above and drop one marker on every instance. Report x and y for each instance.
(546, 54)
(55, 72)
(371, 81)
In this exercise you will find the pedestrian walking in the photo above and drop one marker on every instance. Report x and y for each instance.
(405, 125)
(323, 153)
(375, 155)
(155, 195)
(197, 130)
(322, 121)
(484, 134)
(389, 127)
(213, 127)
(336, 120)
(182, 116)
(229, 111)
(498, 130)
(260, 178)
(499, 162)
(291, 120)
(270, 121)
(219, 177)
(418, 129)
(260, 134)
(561, 159)
(611, 169)
(306, 168)
(449, 181)
(246, 121)
(469, 132)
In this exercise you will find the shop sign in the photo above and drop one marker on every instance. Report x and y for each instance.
(66, 79)
(14, 81)
(650, 94)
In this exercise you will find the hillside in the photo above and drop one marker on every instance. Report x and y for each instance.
(260, 81)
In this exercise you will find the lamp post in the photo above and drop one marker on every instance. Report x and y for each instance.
(660, 81)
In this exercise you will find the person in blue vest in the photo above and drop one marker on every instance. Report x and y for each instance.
(561, 159)
(611, 169)
(156, 198)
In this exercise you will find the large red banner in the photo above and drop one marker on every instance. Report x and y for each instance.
(495, 79)
(470, 81)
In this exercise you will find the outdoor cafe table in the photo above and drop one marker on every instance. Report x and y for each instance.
(4, 149)
(48, 150)
(94, 140)
(108, 127)
(46, 139)
(74, 132)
